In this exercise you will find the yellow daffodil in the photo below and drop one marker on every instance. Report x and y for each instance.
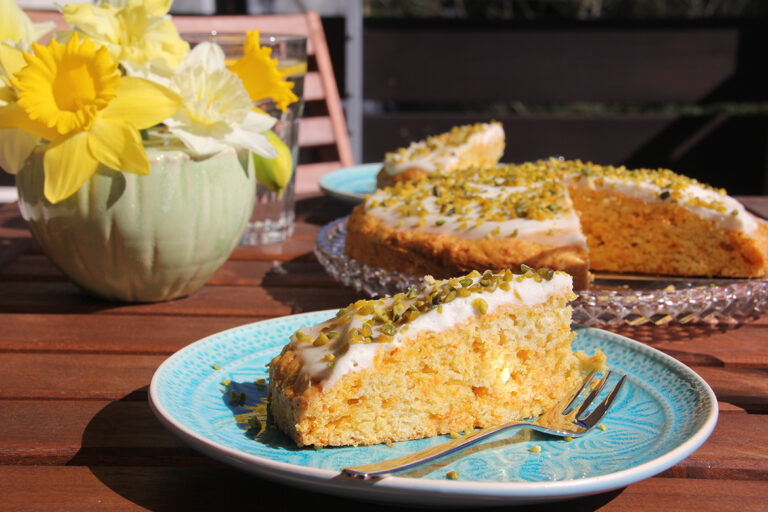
(74, 97)
(137, 33)
(260, 75)
(217, 111)
(16, 26)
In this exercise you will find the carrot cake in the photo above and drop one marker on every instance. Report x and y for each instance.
(567, 215)
(448, 224)
(480, 144)
(471, 351)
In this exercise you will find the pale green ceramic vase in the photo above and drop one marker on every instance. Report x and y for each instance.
(143, 238)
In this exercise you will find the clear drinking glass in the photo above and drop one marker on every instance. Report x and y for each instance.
(273, 214)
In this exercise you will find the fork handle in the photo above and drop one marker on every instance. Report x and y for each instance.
(385, 467)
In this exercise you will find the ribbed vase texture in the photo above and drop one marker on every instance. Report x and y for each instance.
(143, 238)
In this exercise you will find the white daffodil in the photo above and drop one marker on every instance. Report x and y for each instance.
(217, 112)
(137, 33)
(15, 145)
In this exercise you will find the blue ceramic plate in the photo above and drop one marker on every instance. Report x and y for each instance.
(352, 183)
(663, 413)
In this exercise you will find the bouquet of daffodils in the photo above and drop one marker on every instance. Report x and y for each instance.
(120, 76)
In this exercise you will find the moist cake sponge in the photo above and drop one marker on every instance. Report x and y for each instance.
(462, 353)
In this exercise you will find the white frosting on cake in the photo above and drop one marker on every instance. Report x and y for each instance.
(561, 229)
(524, 291)
(435, 153)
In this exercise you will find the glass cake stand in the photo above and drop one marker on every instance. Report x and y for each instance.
(613, 299)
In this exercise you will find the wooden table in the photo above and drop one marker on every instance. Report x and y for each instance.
(76, 432)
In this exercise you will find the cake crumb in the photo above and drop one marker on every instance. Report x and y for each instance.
(535, 449)
(452, 475)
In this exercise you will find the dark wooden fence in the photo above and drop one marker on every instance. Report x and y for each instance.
(691, 97)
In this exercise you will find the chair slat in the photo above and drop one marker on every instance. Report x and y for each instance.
(316, 131)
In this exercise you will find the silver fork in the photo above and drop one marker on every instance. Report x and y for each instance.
(567, 418)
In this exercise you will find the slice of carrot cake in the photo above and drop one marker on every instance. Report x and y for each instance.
(446, 225)
(479, 144)
(471, 351)
(655, 221)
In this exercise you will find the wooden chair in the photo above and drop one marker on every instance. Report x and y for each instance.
(323, 137)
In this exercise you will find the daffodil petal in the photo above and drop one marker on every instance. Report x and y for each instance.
(207, 55)
(117, 144)
(16, 26)
(7, 96)
(99, 22)
(11, 59)
(256, 122)
(199, 145)
(13, 116)
(257, 143)
(15, 147)
(142, 103)
(40, 29)
(67, 165)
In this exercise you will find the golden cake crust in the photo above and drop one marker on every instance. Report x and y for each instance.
(419, 253)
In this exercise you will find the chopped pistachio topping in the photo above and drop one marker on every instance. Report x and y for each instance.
(672, 186)
(480, 304)
(381, 320)
(236, 398)
(254, 423)
(469, 198)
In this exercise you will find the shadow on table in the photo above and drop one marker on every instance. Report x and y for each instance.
(132, 454)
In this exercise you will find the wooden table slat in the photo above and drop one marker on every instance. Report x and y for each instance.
(191, 488)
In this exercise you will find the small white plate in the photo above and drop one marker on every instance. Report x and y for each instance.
(351, 183)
